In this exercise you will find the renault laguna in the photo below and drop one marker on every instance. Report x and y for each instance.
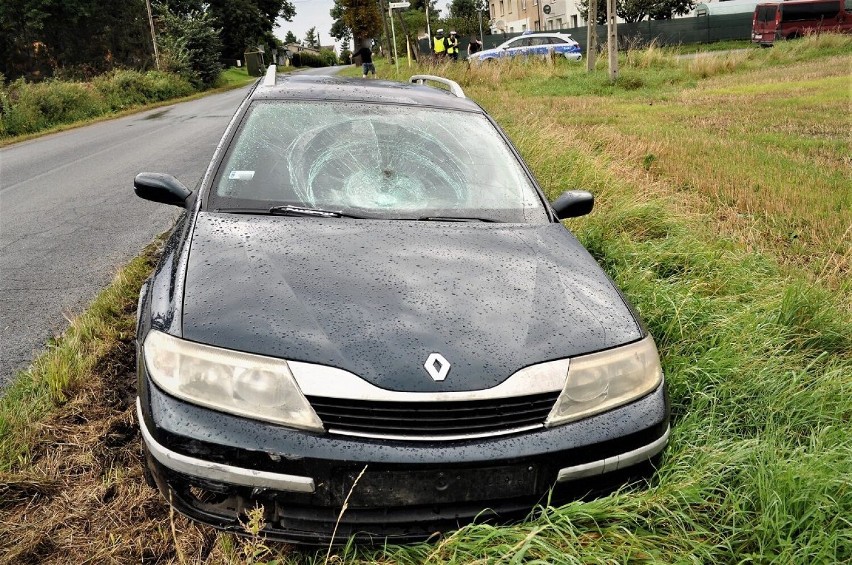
(369, 300)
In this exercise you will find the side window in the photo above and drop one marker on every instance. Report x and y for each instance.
(809, 11)
(537, 41)
(557, 41)
(519, 42)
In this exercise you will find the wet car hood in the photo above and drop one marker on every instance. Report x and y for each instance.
(377, 297)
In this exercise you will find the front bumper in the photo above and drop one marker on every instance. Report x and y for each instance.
(213, 467)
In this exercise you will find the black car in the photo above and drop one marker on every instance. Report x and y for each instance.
(368, 298)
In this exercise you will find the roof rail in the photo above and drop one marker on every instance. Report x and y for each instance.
(269, 77)
(454, 86)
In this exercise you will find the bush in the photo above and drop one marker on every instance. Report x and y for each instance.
(28, 108)
(309, 60)
(329, 56)
(123, 89)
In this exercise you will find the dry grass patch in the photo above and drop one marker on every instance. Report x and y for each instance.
(82, 497)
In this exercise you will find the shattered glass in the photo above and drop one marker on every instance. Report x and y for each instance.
(389, 160)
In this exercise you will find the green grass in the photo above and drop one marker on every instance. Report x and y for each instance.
(756, 341)
(726, 45)
(235, 77)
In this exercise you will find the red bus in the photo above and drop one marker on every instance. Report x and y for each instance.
(795, 18)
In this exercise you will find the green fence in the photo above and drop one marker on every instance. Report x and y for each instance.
(694, 29)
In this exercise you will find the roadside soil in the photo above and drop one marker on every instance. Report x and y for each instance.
(82, 497)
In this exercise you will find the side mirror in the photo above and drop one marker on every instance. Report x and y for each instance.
(158, 187)
(573, 203)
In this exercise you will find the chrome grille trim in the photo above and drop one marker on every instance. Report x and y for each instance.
(330, 382)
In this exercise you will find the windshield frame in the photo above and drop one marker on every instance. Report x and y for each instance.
(211, 202)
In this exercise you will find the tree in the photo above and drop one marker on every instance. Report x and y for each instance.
(358, 19)
(636, 10)
(190, 46)
(79, 37)
(244, 23)
(339, 30)
(667, 10)
(465, 14)
(290, 38)
(311, 39)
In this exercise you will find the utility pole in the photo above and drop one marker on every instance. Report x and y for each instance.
(387, 34)
(538, 15)
(592, 36)
(612, 39)
(479, 9)
(153, 36)
(428, 27)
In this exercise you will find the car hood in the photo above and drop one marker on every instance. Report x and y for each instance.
(376, 298)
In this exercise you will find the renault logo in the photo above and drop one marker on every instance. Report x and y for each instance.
(437, 366)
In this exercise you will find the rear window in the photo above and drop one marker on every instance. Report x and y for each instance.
(766, 14)
(377, 160)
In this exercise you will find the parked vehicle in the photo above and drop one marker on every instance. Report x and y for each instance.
(792, 19)
(532, 44)
(370, 300)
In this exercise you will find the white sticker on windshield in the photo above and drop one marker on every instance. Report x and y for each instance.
(241, 175)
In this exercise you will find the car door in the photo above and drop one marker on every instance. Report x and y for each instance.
(539, 46)
(517, 46)
(560, 45)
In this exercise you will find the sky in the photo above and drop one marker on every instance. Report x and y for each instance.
(314, 13)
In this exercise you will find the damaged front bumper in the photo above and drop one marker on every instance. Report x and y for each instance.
(213, 467)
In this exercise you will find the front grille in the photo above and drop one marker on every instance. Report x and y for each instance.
(433, 420)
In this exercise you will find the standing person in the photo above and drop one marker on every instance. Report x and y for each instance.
(439, 45)
(367, 61)
(475, 46)
(453, 46)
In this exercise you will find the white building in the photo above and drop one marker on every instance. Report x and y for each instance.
(517, 16)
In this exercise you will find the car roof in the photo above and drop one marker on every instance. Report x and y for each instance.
(332, 88)
(543, 34)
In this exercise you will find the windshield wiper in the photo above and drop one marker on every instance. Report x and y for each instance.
(455, 219)
(289, 210)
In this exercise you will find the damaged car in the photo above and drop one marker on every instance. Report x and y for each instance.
(368, 299)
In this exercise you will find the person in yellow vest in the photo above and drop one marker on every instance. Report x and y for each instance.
(453, 46)
(438, 45)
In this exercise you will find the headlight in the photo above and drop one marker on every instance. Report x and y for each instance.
(604, 380)
(249, 385)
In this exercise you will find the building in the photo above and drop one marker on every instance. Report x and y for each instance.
(517, 16)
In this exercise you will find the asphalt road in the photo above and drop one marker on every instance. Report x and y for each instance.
(69, 219)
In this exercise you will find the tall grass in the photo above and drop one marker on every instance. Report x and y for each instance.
(32, 107)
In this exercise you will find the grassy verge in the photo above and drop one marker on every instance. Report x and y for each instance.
(31, 111)
(756, 347)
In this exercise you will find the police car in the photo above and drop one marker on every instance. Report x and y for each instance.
(531, 44)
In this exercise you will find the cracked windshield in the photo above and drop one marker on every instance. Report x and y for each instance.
(378, 161)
